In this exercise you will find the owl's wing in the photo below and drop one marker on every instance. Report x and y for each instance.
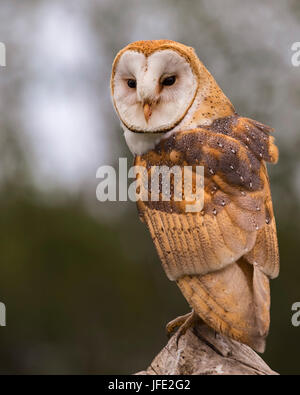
(234, 301)
(237, 218)
(221, 257)
(265, 254)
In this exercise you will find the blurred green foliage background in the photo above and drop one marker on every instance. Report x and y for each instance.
(81, 281)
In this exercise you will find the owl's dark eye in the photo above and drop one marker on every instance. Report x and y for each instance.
(169, 80)
(131, 83)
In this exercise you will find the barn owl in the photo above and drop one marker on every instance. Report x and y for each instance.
(173, 113)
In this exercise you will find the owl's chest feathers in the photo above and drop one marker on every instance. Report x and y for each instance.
(140, 143)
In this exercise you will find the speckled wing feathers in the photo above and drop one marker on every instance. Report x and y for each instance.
(220, 257)
(236, 202)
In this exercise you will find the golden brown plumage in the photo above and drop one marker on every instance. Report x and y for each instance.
(222, 257)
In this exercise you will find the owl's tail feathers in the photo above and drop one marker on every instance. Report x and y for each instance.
(234, 301)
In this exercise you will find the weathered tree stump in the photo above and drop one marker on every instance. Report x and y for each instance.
(202, 351)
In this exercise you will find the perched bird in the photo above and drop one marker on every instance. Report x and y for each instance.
(174, 113)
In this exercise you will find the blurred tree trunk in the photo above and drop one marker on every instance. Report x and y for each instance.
(202, 351)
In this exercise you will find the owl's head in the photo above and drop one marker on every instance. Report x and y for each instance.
(156, 85)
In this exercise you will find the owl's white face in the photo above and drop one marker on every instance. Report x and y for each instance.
(153, 94)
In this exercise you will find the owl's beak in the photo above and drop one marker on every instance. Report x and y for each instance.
(147, 111)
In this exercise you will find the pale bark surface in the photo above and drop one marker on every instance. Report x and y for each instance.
(202, 351)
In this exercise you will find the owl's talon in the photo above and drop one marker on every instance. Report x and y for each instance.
(183, 323)
(189, 322)
(173, 325)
